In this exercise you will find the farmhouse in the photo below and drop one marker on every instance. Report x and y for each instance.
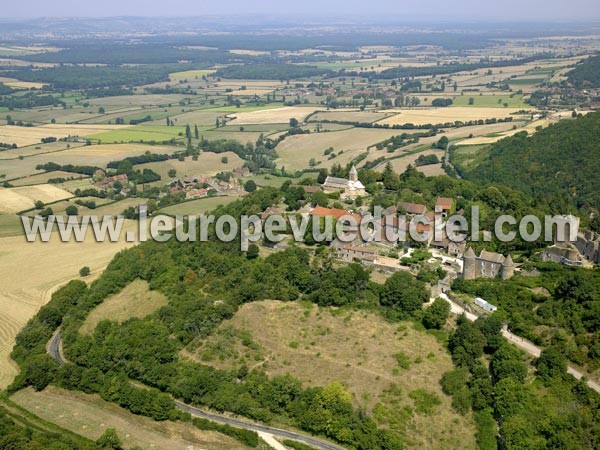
(108, 182)
(352, 253)
(350, 188)
(415, 209)
(195, 193)
(321, 211)
(487, 264)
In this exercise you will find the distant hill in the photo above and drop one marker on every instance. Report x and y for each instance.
(559, 165)
(586, 73)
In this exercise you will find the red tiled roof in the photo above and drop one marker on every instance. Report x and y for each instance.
(413, 208)
(445, 202)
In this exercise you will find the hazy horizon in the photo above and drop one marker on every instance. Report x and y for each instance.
(463, 10)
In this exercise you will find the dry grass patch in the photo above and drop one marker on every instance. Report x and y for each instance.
(90, 416)
(379, 363)
(198, 206)
(349, 116)
(208, 164)
(43, 178)
(93, 155)
(296, 151)
(530, 128)
(17, 199)
(32, 150)
(432, 170)
(276, 115)
(190, 74)
(13, 82)
(400, 164)
(200, 117)
(443, 115)
(135, 300)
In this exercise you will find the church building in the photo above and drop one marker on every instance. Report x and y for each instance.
(350, 188)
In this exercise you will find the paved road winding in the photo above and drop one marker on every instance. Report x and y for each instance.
(522, 343)
(53, 349)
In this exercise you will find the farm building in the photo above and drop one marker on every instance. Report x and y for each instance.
(413, 208)
(108, 182)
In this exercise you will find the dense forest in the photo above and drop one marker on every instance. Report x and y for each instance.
(514, 409)
(80, 77)
(558, 165)
(586, 74)
(271, 71)
(133, 53)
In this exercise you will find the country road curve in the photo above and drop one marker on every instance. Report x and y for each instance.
(522, 343)
(53, 349)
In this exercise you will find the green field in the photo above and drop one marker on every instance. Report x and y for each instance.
(542, 71)
(272, 181)
(468, 156)
(248, 108)
(526, 81)
(490, 101)
(140, 133)
(348, 64)
(198, 206)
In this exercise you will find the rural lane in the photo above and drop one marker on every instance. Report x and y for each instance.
(53, 349)
(522, 343)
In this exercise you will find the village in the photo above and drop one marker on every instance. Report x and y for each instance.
(388, 246)
(387, 251)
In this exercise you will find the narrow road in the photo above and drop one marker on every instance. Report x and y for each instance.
(309, 440)
(447, 159)
(522, 343)
(53, 349)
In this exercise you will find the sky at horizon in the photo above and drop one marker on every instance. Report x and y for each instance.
(519, 10)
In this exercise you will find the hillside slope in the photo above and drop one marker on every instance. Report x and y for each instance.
(586, 74)
(558, 165)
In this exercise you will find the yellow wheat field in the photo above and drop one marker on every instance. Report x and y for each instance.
(13, 82)
(17, 199)
(443, 115)
(277, 115)
(30, 272)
